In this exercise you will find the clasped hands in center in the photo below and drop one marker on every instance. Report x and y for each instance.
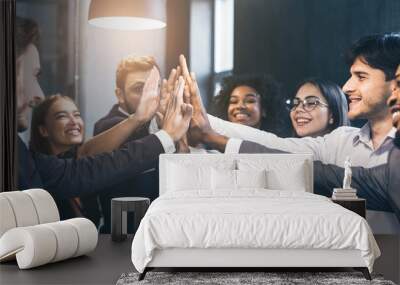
(177, 105)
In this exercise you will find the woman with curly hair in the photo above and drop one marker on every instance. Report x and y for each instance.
(252, 100)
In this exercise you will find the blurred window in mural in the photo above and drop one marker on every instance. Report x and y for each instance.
(223, 40)
(223, 35)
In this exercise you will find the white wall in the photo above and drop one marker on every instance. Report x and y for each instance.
(100, 50)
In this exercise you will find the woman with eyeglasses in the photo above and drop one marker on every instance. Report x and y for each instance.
(251, 100)
(318, 107)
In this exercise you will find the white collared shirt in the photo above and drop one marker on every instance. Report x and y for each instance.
(123, 111)
(153, 128)
(332, 148)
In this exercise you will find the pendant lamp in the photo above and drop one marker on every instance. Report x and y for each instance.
(127, 15)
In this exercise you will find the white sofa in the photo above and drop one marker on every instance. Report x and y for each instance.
(31, 231)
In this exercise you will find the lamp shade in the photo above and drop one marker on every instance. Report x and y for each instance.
(127, 14)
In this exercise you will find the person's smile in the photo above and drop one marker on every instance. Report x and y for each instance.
(73, 131)
(354, 101)
(241, 115)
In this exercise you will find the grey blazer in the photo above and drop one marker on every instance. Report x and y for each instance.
(379, 185)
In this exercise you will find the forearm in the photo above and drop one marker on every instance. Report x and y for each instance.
(111, 139)
(251, 147)
(76, 177)
(182, 145)
(215, 141)
(269, 140)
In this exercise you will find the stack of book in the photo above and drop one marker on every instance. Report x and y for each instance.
(344, 194)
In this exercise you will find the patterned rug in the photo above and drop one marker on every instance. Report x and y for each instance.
(270, 278)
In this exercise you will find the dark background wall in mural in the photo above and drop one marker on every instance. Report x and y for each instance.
(293, 39)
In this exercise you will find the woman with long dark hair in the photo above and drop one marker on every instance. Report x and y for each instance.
(318, 108)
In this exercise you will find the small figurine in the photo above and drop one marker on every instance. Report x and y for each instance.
(347, 174)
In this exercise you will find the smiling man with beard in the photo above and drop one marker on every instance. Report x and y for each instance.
(380, 185)
(131, 75)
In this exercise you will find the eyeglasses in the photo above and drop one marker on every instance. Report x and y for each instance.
(309, 103)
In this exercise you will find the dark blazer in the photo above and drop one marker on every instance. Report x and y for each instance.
(86, 206)
(67, 178)
(28, 175)
(142, 185)
(114, 117)
(379, 185)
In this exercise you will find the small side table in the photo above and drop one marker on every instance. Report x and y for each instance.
(356, 205)
(119, 208)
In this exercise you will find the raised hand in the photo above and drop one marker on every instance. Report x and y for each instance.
(150, 99)
(178, 114)
(182, 145)
(167, 88)
(199, 126)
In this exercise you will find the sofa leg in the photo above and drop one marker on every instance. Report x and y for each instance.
(143, 274)
(364, 271)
